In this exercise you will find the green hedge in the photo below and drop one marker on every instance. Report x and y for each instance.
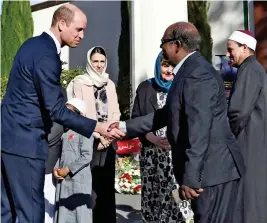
(66, 77)
(16, 27)
(3, 81)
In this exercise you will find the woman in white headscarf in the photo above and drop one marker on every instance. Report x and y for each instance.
(99, 94)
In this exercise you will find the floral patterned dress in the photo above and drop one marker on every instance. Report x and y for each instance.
(158, 182)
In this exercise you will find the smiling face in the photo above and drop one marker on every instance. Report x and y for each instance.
(166, 71)
(98, 62)
(237, 52)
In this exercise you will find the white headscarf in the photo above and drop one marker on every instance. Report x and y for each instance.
(91, 77)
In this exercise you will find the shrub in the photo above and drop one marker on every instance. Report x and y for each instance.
(198, 15)
(68, 75)
(4, 81)
(16, 27)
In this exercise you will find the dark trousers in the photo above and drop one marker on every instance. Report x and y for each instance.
(216, 204)
(22, 184)
(103, 180)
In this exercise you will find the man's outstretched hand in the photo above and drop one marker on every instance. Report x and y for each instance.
(109, 130)
(114, 125)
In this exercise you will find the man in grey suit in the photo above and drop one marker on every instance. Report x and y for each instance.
(206, 158)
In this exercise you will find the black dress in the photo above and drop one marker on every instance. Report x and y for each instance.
(103, 169)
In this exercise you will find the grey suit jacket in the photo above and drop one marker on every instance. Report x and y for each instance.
(204, 150)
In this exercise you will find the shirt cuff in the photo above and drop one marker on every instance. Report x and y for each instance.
(122, 127)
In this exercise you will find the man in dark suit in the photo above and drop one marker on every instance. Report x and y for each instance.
(32, 102)
(206, 159)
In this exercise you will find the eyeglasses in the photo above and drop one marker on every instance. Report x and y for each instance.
(163, 41)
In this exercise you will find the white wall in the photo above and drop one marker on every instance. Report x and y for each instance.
(224, 17)
(42, 21)
(148, 23)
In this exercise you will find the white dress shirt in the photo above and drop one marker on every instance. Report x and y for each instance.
(55, 40)
(178, 66)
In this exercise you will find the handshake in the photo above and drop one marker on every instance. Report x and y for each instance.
(108, 132)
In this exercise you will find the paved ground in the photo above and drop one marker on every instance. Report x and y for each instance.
(128, 208)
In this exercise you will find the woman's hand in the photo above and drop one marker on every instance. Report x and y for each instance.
(158, 140)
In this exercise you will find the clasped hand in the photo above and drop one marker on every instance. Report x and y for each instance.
(187, 193)
(60, 174)
(109, 130)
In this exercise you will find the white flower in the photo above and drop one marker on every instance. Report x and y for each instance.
(136, 172)
(127, 184)
(64, 82)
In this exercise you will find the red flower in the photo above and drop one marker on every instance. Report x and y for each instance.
(137, 188)
(71, 136)
(127, 176)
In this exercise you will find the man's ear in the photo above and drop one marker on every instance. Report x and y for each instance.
(246, 48)
(61, 24)
(178, 43)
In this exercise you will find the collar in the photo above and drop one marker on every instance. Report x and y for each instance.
(55, 40)
(247, 60)
(178, 66)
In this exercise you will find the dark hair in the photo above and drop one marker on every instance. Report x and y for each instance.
(64, 13)
(250, 50)
(98, 50)
(187, 39)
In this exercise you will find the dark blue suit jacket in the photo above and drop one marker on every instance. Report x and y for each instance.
(33, 100)
(204, 150)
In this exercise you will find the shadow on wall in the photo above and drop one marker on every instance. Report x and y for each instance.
(224, 17)
(103, 28)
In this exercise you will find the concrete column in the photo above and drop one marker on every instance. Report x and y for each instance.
(149, 19)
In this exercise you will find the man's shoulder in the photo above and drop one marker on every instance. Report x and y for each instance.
(252, 67)
(257, 67)
(201, 71)
(41, 44)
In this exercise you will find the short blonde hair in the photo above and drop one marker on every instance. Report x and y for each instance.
(64, 13)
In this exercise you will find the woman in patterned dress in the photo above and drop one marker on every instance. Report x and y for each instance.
(158, 182)
(100, 97)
